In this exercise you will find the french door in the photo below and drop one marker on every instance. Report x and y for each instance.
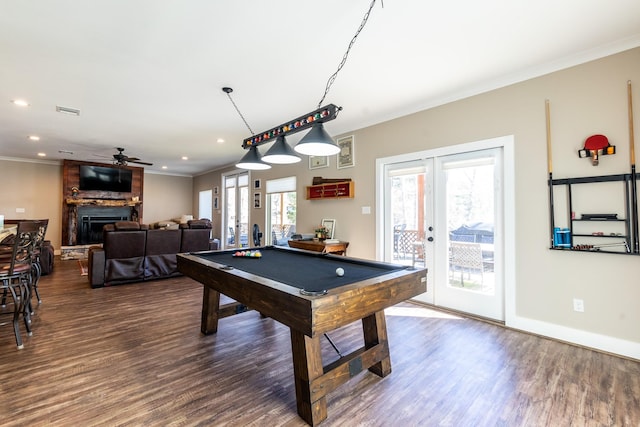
(235, 224)
(445, 212)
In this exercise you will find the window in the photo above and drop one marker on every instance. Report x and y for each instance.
(281, 202)
(205, 207)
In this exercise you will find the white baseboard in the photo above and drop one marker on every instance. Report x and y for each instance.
(587, 339)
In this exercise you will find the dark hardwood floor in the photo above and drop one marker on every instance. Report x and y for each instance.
(133, 355)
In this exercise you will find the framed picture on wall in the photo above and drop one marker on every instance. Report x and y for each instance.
(257, 184)
(216, 189)
(317, 162)
(346, 155)
(257, 200)
(215, 203)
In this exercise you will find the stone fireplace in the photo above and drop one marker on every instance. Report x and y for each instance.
(86, 217)
(85, 212)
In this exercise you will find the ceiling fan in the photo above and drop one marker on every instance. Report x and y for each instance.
(122, 159)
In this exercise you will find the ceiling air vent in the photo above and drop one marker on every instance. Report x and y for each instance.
(67, 110)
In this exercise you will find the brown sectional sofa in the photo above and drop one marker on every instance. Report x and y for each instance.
(132, 252)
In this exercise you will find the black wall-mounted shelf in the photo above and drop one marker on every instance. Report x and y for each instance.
(628, 234)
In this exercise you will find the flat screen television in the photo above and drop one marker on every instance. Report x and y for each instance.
(100, 178)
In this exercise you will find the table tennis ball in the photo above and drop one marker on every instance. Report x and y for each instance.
(340, 271)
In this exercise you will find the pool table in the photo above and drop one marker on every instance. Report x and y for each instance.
(301, 290)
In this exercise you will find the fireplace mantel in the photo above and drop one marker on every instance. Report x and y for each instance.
(102, 202)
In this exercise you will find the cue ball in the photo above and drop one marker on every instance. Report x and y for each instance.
(340, 271)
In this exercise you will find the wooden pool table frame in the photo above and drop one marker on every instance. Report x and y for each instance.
(308, 318)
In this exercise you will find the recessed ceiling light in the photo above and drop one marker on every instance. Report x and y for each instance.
(164, 167)
(185, 158)
(34, 137)
(220, 141)
(42, 154)
(20, 102)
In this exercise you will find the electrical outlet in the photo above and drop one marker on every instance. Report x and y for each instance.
(578, 305)
(20, 210)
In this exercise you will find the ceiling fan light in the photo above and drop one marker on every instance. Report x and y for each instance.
(317, 143)
(281, 153)
(252, 161)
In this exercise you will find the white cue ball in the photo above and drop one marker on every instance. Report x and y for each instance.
(340, 271)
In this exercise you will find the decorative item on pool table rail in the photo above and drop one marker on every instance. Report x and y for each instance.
(595, 146)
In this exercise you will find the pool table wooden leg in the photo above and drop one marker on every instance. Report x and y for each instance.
(375, 332)
(307, 367)
(210, 311)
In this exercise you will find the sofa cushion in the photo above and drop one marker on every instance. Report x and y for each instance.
(199, 223)
(126, 225)
(195, 239)
(162, 242)
(167, 225)
(124, 244)
(183, 219)
(124, 256)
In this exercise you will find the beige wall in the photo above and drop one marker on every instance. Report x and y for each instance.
(585, 100)
(37, 187)
(167, 197)
(209, 181)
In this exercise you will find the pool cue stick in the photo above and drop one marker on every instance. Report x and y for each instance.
(632, 154)
(550, 170)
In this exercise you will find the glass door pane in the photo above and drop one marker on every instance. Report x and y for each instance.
(408, 220)
(469, 200)
(236, 210)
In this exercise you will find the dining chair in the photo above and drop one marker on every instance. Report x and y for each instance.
(37, 251)
(16, 275)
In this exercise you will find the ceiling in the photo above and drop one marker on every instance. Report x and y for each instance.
(147, 75)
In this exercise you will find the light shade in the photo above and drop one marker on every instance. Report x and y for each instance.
(252, 161)
(281, 153)
(317, 143)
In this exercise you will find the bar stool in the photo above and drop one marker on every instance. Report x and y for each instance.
(16, 274)
(37, 251)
